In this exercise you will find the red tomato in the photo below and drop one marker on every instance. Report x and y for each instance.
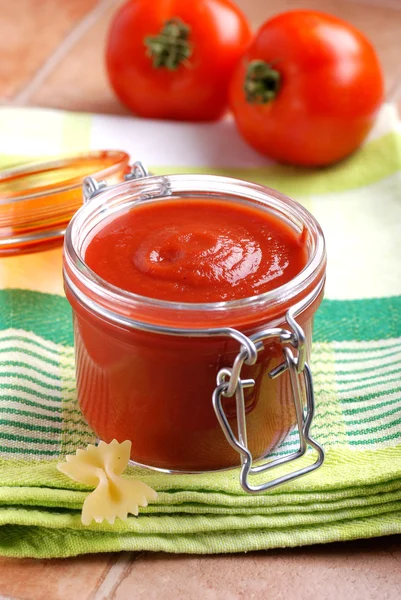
(308, 89)
(173, 59)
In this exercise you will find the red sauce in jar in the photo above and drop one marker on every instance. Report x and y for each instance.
(191, 250)
(156, 389)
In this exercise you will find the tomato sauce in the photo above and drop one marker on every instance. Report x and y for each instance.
(156, 389)
(191, 250)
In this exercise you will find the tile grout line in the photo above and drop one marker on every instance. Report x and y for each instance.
(115, 575)
(394, 93)
(71, 39)
(99, 583)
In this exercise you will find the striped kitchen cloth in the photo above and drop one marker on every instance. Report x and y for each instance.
(356, 359)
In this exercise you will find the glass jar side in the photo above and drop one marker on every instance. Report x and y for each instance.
(156, 390)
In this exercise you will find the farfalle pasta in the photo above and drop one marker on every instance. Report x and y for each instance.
(101, 467)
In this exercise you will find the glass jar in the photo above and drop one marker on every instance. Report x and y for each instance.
(192, 385)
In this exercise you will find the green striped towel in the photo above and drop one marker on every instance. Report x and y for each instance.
(356, 360)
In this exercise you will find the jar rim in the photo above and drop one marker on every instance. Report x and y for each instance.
(158, 187)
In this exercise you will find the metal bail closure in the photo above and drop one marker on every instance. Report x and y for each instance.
(229, 383)
(91, 187)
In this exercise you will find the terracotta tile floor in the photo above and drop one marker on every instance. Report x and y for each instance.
(51, 55)
(31, 31)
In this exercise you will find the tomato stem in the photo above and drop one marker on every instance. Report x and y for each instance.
(171, 46)
(262, 82)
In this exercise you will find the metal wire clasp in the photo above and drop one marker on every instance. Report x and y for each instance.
(229, 382)
(91, 187)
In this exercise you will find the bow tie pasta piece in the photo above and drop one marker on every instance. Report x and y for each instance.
(101, 467)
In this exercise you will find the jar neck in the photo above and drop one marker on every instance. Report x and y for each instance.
(131, 310)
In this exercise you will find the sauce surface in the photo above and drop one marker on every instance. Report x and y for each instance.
(193, 250)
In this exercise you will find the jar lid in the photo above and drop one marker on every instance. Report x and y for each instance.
(37, 200)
